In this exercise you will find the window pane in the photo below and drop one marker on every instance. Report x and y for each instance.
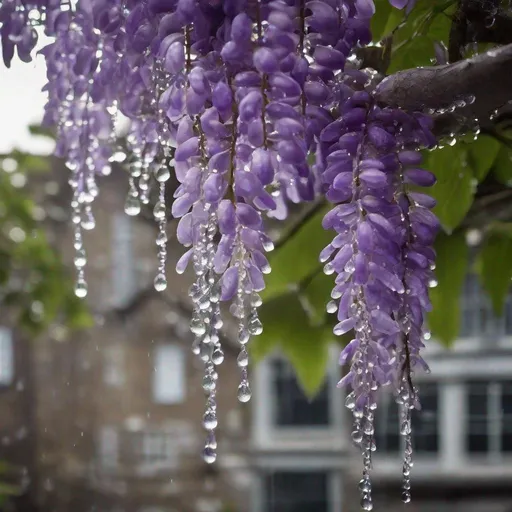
(6, 357)
(506, 411)
(387, 435)
(292, 407)
(297, 492)
(169, 374)
(425, 422)
(478, 409)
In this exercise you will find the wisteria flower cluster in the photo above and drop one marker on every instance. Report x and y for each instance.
(253, 104)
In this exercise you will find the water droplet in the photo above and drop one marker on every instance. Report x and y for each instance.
(357, 436)
(159, 210)
(210, 420)
(244, 392)
(331, 307)
(160, 283)
(255, 327)
(162, 174)
(208, 383)
(209, 455)
(366, 503)
(256, 301)
(432, 283)
(81, 289)
(365, 485)
(161, 238)
(132, 206)
(80, 258)
(243, 359)
(197, 326)
(406, 497)
(217, 356)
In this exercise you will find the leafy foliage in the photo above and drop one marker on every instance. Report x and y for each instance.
(451, 271)
(33, 279)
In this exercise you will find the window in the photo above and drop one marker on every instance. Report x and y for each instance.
(387, 434)
(489, 421)
(123, 268)
(425, 424)
(148, 447)
(478, 318)
(6, 357)
(108, 447)
(169, 374)
(297, 492)
(292, 407)
(113, 365)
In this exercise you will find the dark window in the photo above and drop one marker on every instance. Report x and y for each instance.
(292, 407)
(297, 492)
(425, 427)
(489, 421)
(387, 435)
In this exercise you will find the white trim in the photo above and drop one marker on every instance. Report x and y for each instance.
(267, 436)
(334, 484)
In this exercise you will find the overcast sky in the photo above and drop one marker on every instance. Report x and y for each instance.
(21, 104)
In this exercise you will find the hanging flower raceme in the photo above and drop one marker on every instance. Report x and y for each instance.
(252, 105)
(382, 258)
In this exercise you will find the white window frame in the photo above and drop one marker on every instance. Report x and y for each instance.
(267, 435)
(287, 465)
(7, 370)
(114, 365)
(176, 393)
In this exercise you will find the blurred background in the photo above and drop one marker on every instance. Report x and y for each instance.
(101, 405)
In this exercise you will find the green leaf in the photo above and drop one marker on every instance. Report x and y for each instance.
(298, 257)
(286, 326)
(502, 169)
(451, 270)
(494, 265)
(482, 154)
(455, 187)
(315, 295)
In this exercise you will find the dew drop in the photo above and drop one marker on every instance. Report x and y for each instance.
(244, 392)
(162, 174)
(209, 455)
(243, 359)
(160, 283)
(406, 497)
(217, 356)
(210, 420)
(366, 503)
(81, 289)
(132, 206)
(159, 210)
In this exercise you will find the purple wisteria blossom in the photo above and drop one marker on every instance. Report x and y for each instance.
(253, 105)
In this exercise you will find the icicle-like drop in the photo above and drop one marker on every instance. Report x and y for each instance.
(80, 259)
(161, 217)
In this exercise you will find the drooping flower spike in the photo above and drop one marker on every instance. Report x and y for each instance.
(252, 105)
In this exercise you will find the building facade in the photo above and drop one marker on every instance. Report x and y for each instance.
(462, 437)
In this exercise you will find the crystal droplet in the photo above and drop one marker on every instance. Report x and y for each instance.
(196, 347)
(160, 283)
(244, 392)
(159, 210)
(132, 206)
(406, 497)
(81, 288)
(211, 441)
(88, 223)
(365, 485)
(357, 436)
(209, 455)
(243, 336)
(217, 356)
(161, 238)
(80, 258)
(243, 359)
(331, 307)
(405, 428)
(366, 503)
(256, 301)
(350, 401)
(210, 420)
(208, 383)
(162, 174)
(255, 327)
(197, 326)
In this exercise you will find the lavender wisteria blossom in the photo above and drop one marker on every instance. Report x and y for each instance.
(252, 104)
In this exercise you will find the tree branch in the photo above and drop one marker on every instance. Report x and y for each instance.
(484, 82)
